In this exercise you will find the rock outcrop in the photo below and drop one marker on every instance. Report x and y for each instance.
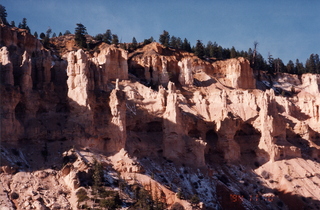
(235, 73)
(195, 127)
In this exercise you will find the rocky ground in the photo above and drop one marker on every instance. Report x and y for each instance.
(153, 129)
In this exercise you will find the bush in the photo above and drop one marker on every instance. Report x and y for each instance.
(177, 206)
(111, 203)
(194, 199)
(82, 195)
(104, 194)
(14, 195)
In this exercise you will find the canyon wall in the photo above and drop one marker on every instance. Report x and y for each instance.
(155, 102)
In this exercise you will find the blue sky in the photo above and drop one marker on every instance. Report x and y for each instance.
(287, 29)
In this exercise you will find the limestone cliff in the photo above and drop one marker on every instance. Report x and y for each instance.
(157, 118)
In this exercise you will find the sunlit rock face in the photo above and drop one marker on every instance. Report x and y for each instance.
(235, 73)
(155, 115)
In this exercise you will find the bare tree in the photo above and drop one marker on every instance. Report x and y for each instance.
(255, 44)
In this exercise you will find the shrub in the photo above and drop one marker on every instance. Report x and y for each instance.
(194, 199)
(14, 195)
(111, 203)
(82, 195)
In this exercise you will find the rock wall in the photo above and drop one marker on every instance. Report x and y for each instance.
(50, 98)
(235, 73)
(189, 109)
(159, 65)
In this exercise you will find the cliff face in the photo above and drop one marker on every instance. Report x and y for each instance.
(235, 73)
(200, 127)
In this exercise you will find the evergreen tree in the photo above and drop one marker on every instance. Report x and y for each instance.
(260, 63)
(299, 68)
(48, 32)
(97, 176)
(250, 54)
(290, 67)
(179, 43)
(233, 52)
(13, 24)
(226, 53)
(220, 52)
(35, 34)
(270, 64)
(311, 64)
(146, 41)
(107, 37)
(173, 42)
(134, 43)
(209, 51)
(186, 45)
(3, 15)
(115, 39)
(67, 32)
(54, 35)
(217, 51)
(194, 200)
(164, 38)
(199, 49)
(42, 35)
(317, 63)
(24, 25)
(60, 34)
(99, 37)
(279, 66)
(80, 38)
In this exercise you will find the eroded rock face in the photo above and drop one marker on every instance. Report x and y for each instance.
(191, 113)
(235, 73)
(159, 65)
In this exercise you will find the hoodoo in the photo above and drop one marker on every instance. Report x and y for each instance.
(79, 127)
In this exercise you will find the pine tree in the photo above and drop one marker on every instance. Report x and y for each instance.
(186, 45)
(97, 175)
(42, 35)
(164, 38)
(115, 39)
(194, 200)
(107, 37)
(250, 54)
(48, 32)
(290, 67)
(279, 66)
(209, 49)
(217, 51)
(54, 35)
(317, 63)
(80, 38)
(3, 15)
(173, 42)
(24, 25)
(179, 43)
(299, 68)
(270, 64)
(134, 43)
(60, 34)
(199, 49)
(311, 64)
(233, 52)
(67, 32)
(13, 24)
(35, 34)
(99, 37)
